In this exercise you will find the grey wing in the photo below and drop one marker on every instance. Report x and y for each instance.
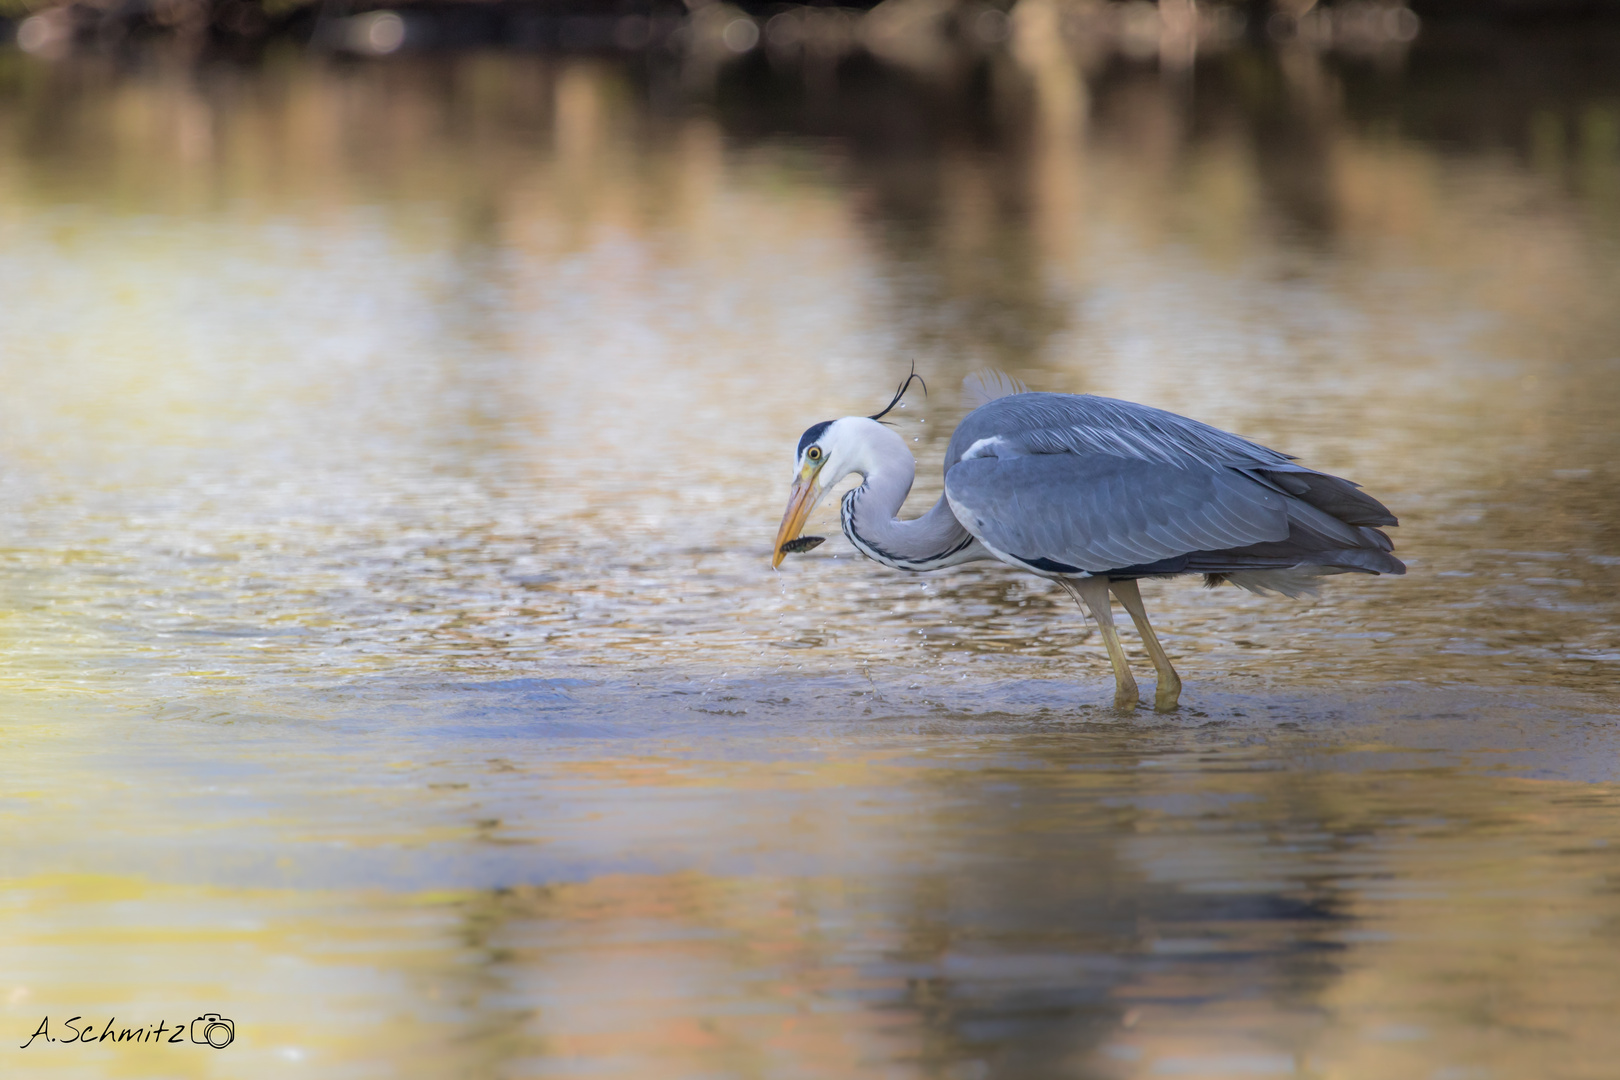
(1064, 512)
(1086, 425)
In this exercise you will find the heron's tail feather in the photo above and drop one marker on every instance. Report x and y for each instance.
(988, 384)
(1291, 581)
(1302, 578)
(1334, 495)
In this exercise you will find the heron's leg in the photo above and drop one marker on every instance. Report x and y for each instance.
(1168, 691)
(1092, 593)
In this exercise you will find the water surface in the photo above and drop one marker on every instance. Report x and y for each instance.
(391, 452)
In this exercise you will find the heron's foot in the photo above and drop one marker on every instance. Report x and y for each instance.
(1167, 694)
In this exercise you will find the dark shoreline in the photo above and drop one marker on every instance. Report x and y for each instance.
(240, 29)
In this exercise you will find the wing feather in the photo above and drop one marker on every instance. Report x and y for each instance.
(1099, 484)
(1100, 513)
(1087, 424)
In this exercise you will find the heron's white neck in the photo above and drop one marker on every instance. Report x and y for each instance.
(929, 542)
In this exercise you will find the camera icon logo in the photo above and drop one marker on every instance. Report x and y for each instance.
(213, 1029)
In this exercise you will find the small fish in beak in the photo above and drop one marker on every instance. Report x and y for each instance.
(801, 501)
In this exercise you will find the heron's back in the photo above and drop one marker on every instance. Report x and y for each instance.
(1076, 483)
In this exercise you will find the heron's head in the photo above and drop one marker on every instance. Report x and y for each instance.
(828, 452)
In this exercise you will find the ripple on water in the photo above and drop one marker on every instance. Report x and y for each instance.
(389, 656)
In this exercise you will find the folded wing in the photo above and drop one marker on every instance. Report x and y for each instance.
(1068, 483)
(1099, 513)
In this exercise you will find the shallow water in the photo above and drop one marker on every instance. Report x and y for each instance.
(391, 454)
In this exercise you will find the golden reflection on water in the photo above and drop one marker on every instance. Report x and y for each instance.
(390, 456)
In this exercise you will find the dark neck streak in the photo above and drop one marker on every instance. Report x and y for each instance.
(932, 541)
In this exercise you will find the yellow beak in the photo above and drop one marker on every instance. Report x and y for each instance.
(801, 501)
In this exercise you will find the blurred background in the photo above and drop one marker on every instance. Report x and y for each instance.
(397, 404)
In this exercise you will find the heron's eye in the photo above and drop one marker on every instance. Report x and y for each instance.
(814, 453)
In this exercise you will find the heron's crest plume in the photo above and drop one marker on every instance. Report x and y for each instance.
(988, 384)
(900, 393)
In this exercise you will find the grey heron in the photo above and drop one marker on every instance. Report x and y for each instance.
(1095, 494)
